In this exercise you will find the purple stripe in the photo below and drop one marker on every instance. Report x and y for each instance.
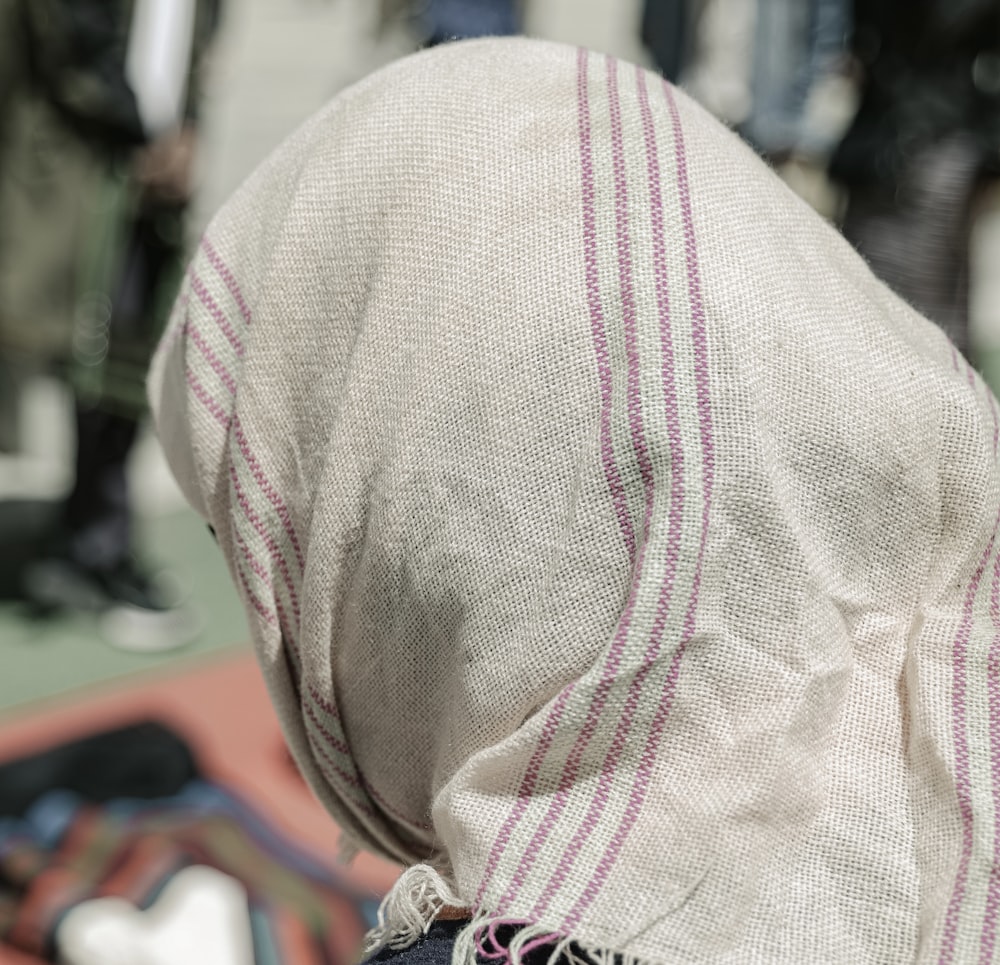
(633, 396)
(253, 562)
(346, 777)
(699, 332)
(325, 705)
(672, 550)
(213, 360)
(205, 297)
(335, 742)
(612, 475)
(362, 805)
(963, 789)
(640, 783)
(205, 398)
(355, 780)
(987, 942)
(272, 546)
(265, 577)
(268, 490)
(525, 792)
(592, 281)
(350, 778)
(227, 276)
(342, 747)
(255, 601)
(612, 663)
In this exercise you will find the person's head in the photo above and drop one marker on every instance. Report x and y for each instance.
(612, 542)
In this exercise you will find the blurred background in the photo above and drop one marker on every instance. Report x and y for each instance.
(125, 671)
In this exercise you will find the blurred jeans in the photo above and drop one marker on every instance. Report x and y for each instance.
(796, 43)
(459, 19)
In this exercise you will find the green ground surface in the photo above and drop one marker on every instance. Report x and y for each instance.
(42, 658)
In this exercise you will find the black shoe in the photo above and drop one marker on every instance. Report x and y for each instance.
(138, 612)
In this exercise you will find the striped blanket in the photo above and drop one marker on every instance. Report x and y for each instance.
(65, 851)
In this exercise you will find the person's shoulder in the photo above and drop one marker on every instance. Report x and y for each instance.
(434, 948)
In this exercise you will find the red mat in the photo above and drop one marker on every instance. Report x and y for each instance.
(221, 708)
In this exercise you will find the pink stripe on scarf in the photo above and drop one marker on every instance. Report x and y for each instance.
(206, 399)
(699, 336)
(672, 419)
(346, 778)
(592, 281)
(987, 941)
(963, 787)
(267, 615)
(213, 360)
(335, 742)
(613, 659)
(222, 269)
(326, 706)
(611, 473)
(352, 778)
(624, 242)
(280, 507)
(526, 790)
(257, 567)
(341, 745)
(272, 546)
(205, 297)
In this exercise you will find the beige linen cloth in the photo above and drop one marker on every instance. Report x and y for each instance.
(618, 551)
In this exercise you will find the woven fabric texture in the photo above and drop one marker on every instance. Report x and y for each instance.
(614, 543)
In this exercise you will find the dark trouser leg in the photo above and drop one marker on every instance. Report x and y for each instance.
(97, 519)
(665, 34)
(915, 234)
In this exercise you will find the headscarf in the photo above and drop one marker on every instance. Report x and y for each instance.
(620, 554)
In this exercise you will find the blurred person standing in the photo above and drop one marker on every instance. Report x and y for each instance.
(796, 44)
(96, 146)
(926, 133)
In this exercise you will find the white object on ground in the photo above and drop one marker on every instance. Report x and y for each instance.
(201, 917)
